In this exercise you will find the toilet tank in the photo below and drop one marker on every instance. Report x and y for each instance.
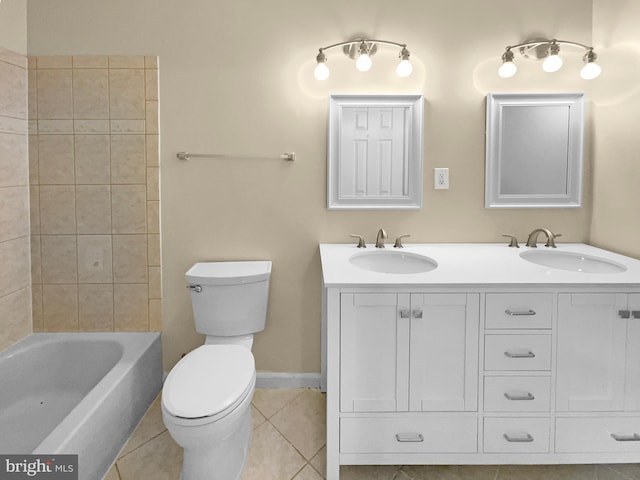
(229, 298)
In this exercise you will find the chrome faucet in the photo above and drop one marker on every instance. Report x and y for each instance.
(551, 238)
(380, 238)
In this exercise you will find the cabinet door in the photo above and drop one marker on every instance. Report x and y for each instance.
(444, 352)
(591, 352)
(374, 352)
(632, 381)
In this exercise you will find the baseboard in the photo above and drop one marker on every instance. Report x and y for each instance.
(287, 380)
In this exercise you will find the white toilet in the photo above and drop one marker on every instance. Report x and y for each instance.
(206, 398)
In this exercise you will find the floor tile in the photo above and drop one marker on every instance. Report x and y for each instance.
(368, 472)
(269, 400)
(112, 474)
(450, 472)
(303, 422)
(308, 473)
(158, 459)
(319, 462)
(271, 457)
(631, 470)
(151, 426)
(257, 418)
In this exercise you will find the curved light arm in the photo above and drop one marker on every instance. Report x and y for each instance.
(364, 40)
(548, 42)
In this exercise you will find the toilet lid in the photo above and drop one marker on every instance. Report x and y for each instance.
(209, 380)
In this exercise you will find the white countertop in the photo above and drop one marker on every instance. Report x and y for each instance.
(468, 264)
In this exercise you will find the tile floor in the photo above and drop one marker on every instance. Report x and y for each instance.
(288, 444)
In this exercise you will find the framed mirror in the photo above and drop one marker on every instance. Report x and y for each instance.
(375, 152)
(534, 150)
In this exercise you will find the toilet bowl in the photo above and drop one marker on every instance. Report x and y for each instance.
(206, 406)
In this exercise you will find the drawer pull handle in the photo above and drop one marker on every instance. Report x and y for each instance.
(635, 313)
(405, 313)
(409, 437)
(634, 437)
(519, 313)
(526, 438)
(521, 396)
(528, 354)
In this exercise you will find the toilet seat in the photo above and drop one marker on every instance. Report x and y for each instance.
(209, 383)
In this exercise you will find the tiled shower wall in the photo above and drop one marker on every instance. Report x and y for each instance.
(94, 175)
(15, 288)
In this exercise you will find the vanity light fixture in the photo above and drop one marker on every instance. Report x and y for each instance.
(549, 51)
(361, 50)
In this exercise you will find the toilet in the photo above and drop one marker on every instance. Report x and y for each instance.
(206, 398)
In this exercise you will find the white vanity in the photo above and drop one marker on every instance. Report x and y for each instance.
(480, 354)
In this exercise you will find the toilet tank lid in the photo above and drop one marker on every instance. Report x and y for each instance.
(229, 273)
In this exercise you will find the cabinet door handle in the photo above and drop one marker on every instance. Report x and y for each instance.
(624, 313)
(405, 313)
(635, 313)
(526, 438)
(522, 396)
(634, 437)
(409, 437)
(519, 313)
(417, 313)
(528, 354)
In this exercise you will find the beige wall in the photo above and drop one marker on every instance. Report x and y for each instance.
(13, 25)
(616, 202)
(236, 77)
(93, 154)
(15, 289)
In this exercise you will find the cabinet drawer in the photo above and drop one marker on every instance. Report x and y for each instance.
(604, 434)
(518, 310)
(516, 435)
(409, 435)
(517, 394)
(517, 352)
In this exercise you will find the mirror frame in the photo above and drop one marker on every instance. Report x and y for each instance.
(413, 146)
(495, 143)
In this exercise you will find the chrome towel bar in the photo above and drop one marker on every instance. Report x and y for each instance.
(289, 156)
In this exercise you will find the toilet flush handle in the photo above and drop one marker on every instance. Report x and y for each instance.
(195, 288)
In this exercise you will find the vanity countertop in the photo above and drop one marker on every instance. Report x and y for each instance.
(470, 264)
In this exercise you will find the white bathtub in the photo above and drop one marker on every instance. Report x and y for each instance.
(77, 393)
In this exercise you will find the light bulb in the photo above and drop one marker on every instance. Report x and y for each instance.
(590, 71)
(364, 62)
(552, 63)
(507, 70)
(321, 71)
(404, 68)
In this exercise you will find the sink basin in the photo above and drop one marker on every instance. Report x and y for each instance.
(573, 262)
(385, 261)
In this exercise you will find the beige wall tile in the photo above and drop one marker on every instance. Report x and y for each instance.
(32, 94)
(36, 308)
(153, 154)
(151, 61)
(155, 282)
(95, 307)
(84, 126)
(14, 212)
(57, 209)
(153, 217)
(151, 84)
(54, 61)
(131, 307)
(90, 61)
(13, 94)
(55, 127)
(54, 94)
(14, 170)
(91, 93)
(36, 260)
(15, 317)
(155, 315)
(130, 259)
(14, 125)
(153, 250)
(60, 308)
(34, 178)
(127, 127)
(152, 125)
(56, 164)
(92, 153)
(58, 257)
(126, 99)
(95, 259)
(128, 208)
(93, 209)
(14, 259)
(153, 183)
(126, 61)
(14, 58)
(34, 209)
(128, 159)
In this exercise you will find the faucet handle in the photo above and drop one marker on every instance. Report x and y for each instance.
(513, 242)
(398, 243)
(551, 241)
(361, 243)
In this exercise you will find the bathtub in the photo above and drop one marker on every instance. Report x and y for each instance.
(77, 393)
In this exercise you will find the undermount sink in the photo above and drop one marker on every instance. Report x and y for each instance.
(573, 262)
(386, 261)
